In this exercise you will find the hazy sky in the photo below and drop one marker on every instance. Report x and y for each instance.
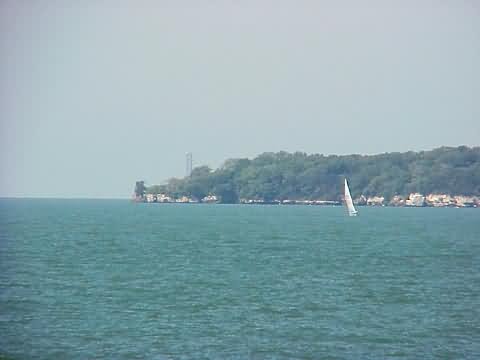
(97, 94)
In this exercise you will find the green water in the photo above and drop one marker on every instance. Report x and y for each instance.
(101, 279)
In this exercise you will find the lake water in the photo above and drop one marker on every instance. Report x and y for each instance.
(109, 279)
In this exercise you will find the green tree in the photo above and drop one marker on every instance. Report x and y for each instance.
(140, 189)
(283, 175)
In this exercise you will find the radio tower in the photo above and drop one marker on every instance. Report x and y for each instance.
(189, 162)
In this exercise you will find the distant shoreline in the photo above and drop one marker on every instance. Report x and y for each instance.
(442, 177)
(337, 204)
(264, 203)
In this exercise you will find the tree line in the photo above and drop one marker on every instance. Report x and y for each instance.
(300, 176)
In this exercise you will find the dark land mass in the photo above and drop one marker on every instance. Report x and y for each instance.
(299, 176)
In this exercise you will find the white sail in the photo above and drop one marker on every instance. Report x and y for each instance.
(349, 201)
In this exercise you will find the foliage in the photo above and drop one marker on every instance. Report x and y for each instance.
(140, 189)
(157, 189)
(282, 175)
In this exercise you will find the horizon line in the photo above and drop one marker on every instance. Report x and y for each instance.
(42, 197)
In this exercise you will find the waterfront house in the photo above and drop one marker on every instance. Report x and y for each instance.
(415, 199)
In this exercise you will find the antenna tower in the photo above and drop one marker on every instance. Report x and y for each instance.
(189, 162)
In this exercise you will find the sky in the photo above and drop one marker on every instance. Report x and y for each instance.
(95, 95)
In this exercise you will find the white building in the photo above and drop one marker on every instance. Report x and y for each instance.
(415, 199)
(375, 201)
(162, 198)
(210, 199)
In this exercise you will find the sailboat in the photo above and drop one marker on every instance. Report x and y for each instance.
(349, 202)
